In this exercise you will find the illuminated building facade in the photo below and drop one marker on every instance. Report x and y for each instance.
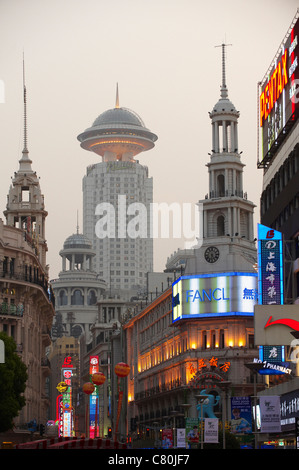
(279, 153)
(198, 336)
(276, 317)
(112, 189)
(27, 301)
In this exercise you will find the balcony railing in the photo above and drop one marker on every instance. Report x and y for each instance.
(15, 310)
(32, 279)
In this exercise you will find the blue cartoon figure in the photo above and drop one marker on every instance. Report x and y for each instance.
(208, 405)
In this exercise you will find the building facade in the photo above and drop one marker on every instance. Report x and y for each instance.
(27, 301)
(278, 158)
(279, 153)
(117, 193)
(197, 337)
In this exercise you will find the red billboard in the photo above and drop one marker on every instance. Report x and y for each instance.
(279, 96)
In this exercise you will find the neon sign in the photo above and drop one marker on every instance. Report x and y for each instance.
(232, 293)
(273, 88)
(278, 101)
(93, 398)
(270, 266)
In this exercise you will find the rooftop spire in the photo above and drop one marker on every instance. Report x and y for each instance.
(117, 97)
(25, 162)
(25, 109)
(224, 93)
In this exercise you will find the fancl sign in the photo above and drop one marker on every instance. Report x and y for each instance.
(232, 293)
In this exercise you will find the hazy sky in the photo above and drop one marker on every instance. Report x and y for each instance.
(162, 54)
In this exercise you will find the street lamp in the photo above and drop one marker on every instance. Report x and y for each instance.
(174, 413)
(255, 367)
(203, 400)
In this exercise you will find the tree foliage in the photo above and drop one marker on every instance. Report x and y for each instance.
(13, 377)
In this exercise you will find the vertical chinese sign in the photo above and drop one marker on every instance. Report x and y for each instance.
(270, 266)
(93, 399)
(66, 377)
(270, 279)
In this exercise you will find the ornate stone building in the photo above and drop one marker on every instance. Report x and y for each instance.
(26, 299)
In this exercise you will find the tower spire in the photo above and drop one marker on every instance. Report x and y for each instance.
(224, 92)
(25, 162)
(25, 109)
(117, 97)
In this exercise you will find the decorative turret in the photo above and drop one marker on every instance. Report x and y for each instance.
(25, 207)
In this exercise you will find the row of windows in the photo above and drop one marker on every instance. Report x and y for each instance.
(280, 180)
(77, 298)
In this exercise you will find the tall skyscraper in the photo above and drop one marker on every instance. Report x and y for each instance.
(117, 194)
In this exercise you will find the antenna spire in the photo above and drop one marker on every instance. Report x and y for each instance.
(117, 97)
(224, 92)
(25, 162)
(25, 150)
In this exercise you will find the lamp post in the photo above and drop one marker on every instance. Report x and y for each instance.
(255, 367)
(88, 389)
(174, 413)
(122, 370)
(98, 378)
(203, 400)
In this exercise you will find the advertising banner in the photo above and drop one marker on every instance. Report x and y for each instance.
(167, 439)
(270, 414)
(181, 437)
(192, 432)
(211, 430)
(241, 421)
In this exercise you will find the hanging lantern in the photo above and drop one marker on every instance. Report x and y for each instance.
(98, 378)
(121, 369)
(88, 388)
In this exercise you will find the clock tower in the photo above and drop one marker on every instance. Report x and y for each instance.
(226, 213)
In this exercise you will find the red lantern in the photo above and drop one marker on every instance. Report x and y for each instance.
(98, 378)
(88, 388)
(121, 369)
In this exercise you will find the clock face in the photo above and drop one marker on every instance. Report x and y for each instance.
(211, 254)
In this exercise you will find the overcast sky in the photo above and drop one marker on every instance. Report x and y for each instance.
(162, 54)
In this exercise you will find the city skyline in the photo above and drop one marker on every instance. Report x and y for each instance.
(168, 70)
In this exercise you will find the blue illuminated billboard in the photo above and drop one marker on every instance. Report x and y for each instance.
(270, 266)
(213, 295)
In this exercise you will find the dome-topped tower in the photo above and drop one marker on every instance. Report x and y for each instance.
(117, 134)
(122, 259)
(77, 289)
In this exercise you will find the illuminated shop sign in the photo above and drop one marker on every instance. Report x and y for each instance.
(279, 98)
(93, 398)
(67, 371)
(205, 295)
(270, 266)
